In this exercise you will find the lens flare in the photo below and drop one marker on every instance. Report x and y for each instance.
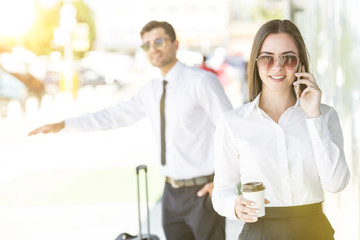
(16, 17)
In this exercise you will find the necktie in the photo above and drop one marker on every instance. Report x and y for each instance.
(162, 121)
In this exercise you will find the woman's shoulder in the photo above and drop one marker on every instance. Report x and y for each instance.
(241, 111)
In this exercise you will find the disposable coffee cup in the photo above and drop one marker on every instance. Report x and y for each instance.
(254, 191)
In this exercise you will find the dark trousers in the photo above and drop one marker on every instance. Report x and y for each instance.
(185, 216)
(306, 222)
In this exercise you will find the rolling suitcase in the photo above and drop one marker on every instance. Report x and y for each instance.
(148, 236)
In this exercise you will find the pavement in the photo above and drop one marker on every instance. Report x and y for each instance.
(90, 222)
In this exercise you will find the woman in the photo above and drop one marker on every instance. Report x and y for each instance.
(293, 144)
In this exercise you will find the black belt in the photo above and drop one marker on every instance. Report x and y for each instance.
(190, 182)
(296, 211)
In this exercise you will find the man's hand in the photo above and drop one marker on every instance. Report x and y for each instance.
(49, 128)
(208, 188)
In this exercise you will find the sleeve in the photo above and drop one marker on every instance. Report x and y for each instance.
(123, 114)
(227, 172)
(212, 96)
(327, 141)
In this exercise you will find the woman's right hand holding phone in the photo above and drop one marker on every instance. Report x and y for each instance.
(311, 96)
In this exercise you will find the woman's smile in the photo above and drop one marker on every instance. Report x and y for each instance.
(278, 78)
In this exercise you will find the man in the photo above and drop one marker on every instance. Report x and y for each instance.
(183, 106)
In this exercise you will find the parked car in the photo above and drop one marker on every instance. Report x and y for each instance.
(88, 76)
(15, 86)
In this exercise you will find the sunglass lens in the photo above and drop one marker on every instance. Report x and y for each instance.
(158, 43)
(289, 62)
(145, 46)
(265, 62)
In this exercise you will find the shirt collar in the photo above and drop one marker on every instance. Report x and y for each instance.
(254, 105)
(174, 72)
(251, 106)
(297, 104)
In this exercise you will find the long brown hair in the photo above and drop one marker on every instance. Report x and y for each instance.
(273, 26)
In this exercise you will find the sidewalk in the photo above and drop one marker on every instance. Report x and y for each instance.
(90, 222)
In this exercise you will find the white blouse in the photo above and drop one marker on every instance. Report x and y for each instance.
(294, 158)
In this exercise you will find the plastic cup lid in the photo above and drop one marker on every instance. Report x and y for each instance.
(253, 187)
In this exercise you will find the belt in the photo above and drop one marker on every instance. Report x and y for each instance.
(189, 182)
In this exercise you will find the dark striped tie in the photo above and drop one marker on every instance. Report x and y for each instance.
(162, 120)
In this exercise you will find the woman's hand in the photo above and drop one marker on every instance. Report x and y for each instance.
(245, 213)
(311, 96)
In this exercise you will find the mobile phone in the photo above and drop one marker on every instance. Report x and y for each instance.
(301, 87)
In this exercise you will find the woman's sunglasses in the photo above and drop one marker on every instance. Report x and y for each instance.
(289, 62)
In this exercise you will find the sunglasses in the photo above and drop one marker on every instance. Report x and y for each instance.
(289, 62)
(158, 43)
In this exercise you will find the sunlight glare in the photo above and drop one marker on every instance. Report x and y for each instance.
(16, 17)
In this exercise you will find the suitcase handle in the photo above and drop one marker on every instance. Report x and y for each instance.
(138, 168)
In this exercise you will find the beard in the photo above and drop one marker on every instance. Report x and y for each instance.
(161, 60)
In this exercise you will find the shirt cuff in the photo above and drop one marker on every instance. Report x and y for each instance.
(70, 125)
(317, 127)
(230, 208)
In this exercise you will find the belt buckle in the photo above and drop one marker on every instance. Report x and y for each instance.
(174, 183)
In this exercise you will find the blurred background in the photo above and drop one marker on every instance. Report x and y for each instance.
(63, 58)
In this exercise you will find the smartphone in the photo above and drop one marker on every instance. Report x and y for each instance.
(301, 87)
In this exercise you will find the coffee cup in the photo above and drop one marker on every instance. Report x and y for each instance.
(254, 191)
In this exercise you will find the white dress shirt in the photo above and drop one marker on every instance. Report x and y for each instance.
(294, 158)
(194, 101)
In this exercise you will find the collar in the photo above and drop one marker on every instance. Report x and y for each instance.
(297, 104)
(248, 108)
(254, 106)
(174, 72)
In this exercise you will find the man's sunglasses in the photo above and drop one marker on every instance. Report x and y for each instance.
(158, 43)
(289, 62)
